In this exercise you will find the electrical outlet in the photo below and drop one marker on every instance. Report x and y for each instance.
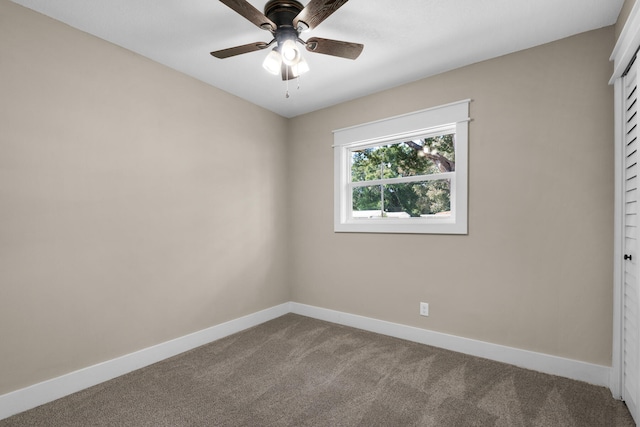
(424, 309)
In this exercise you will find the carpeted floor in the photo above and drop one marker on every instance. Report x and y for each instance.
(297, 371)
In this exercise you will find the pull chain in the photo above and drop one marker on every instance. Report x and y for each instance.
(286, 73)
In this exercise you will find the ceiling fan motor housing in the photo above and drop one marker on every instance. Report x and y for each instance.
(282, 12)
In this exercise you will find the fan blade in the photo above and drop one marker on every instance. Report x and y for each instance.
(239, 50)
(334, 47)
(252, 14)
(317, 11)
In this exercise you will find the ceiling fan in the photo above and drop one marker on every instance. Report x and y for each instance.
(285, 20)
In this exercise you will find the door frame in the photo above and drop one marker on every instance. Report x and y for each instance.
(623, 52)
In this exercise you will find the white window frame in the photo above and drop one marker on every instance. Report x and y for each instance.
(447, 118)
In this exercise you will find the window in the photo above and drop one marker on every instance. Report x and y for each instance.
(406, 174)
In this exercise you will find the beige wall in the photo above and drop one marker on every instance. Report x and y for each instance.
(535, 271)
(624, 15)
(125, 220)
(132, 210)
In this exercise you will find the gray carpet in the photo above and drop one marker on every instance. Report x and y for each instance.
(297, 371)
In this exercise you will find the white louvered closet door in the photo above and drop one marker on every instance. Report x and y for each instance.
(631, 295)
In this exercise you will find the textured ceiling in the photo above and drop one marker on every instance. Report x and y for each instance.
(405, 40)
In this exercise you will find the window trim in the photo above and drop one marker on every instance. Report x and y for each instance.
(431, 121)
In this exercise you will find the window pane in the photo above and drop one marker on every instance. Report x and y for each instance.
(424, 156)
(367, 202)
(414, 199)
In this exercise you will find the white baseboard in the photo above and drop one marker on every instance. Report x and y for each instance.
(47, 391)
(554, 365)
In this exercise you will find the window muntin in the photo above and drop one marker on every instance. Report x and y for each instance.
(396, 176)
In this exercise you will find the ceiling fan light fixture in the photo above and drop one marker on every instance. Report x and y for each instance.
(272, 62)
(300, 68)
(290, 53)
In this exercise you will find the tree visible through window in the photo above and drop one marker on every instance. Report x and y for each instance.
(416, 158)
(404, 174)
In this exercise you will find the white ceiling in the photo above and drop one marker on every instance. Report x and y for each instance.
(405, 40)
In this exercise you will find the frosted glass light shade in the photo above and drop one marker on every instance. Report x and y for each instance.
(272, 62)
(300, 68)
